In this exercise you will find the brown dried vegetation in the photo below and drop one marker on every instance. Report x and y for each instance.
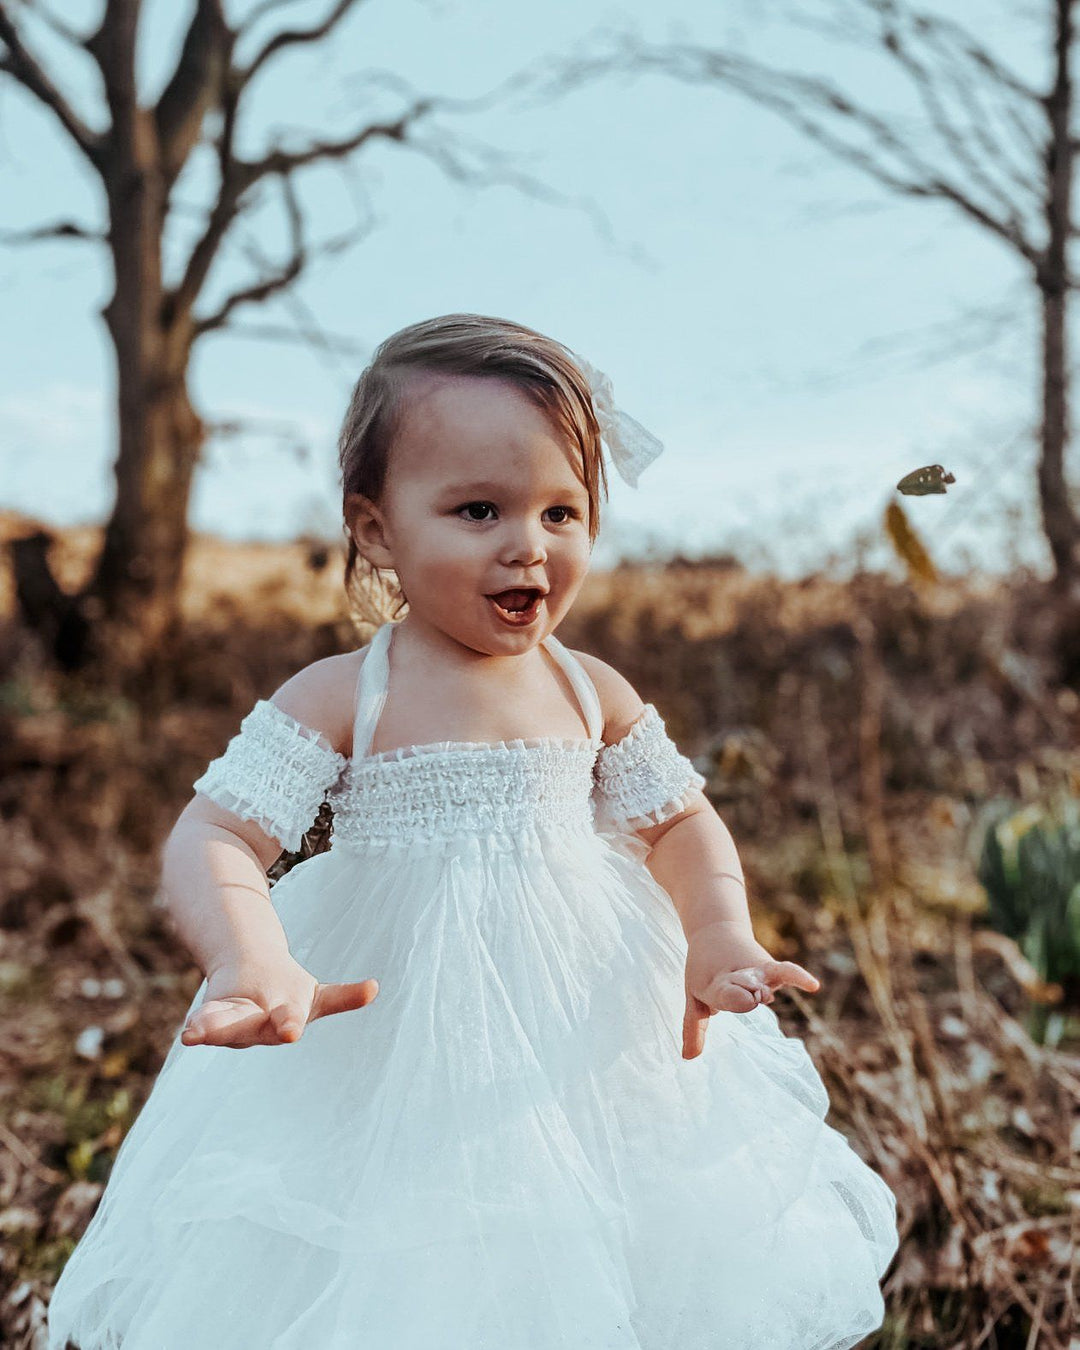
(852, 733)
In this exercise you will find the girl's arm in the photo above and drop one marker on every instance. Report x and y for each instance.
(693, 857)
(214, 864)
(214, 887)
(699, 865)
(215, 860)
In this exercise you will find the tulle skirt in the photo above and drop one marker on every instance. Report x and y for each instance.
(504, 1151)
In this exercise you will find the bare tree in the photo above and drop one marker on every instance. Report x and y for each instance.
(155, 316)
(986, 142)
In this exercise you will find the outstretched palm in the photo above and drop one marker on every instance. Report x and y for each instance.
(268, 1004)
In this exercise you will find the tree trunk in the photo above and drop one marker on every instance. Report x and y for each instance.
(1060, 521)
(135, 591)
(129, 610)
(126, 618)
(137, 581)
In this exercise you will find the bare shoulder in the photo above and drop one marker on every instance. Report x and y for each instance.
(620, 702)
(322, 697)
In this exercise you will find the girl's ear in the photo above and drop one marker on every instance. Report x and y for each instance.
(367, 527)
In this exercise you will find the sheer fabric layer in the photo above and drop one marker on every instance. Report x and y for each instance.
(504, 1150)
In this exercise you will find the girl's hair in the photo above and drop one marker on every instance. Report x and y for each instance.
(456, 344)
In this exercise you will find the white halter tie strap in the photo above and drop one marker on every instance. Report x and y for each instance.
(374, 681)
(371, 690)
(579, 677)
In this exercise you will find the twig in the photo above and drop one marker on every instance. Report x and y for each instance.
(15, 1145)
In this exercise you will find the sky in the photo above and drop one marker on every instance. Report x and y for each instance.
(797, 337)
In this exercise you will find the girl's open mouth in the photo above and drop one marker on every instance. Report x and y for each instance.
(518, 608)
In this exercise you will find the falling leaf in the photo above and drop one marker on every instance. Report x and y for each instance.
(921, 482)
(909, 547)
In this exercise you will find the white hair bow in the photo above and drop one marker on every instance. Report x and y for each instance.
(630, 446)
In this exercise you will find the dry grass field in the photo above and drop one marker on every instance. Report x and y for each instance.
(854, 735)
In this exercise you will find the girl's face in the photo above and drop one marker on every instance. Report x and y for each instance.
(484, 515)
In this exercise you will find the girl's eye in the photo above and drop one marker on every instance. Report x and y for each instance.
(478, 511)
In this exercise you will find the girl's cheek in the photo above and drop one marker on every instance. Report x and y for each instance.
(583, 552)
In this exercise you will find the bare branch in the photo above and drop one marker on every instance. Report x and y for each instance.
(226, 207)
(60, 229)
(22, 65)
(981, 56)
(480, 165)
(225, 428)
(282, 161)
(53, 21)
(275, 281)
(978, 99)
(1015, 111)
(260, 12)
(325, 346)
(112, 46)
(337, 354)
(824, 114)
(294, 37)
(945, 33)
(238, 177)
(473, 163)
(972, 155)
(194, 86)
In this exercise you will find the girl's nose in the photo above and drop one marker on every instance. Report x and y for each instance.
(525, 548)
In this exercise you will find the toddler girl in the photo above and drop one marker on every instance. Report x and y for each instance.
(475, 1108)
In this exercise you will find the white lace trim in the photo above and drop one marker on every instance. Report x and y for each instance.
(518, 743)
(275, 771)
(643, 779)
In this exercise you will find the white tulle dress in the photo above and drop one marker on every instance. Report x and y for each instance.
(506, 1149)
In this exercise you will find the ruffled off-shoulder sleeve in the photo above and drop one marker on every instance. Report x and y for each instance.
(275, 771)
(643, 779)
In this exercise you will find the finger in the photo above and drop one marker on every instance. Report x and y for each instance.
(238, 1022)
(695, 1023)
(779, 973)
(287, 1022)
(752, 978)
(737, 990)
(338, 998)
(735, 998)
(219, 1014)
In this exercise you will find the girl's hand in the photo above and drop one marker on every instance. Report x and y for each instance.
(727, 970)
(267, 1002)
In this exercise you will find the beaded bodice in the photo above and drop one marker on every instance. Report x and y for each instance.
(277, 771)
